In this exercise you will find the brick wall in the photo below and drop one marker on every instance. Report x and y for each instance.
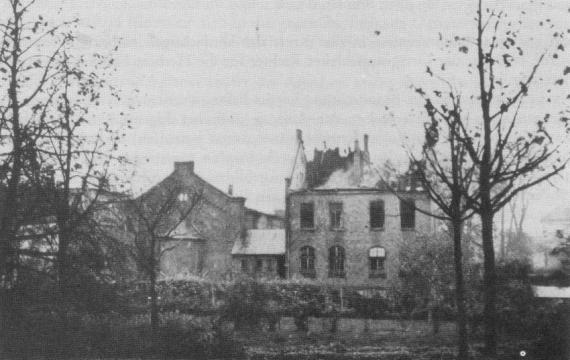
(355, 234)
(215, 224)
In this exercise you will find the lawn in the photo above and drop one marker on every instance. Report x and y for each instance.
(354, 339)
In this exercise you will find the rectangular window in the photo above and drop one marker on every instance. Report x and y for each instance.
(377, 214)
(307, 215)
(244, 267)
(270, 265)
(376, 257)
(335, 211)
(336, 262)
(407, 214)
(258, 265)
(307, 258)
(377, 268)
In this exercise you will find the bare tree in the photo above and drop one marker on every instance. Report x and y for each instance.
(28, 53)
(444, 172)
(157, 214)
(80, 159)
(505, 159)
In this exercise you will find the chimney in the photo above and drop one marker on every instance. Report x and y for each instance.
(366, 143)
(231, 190)
(357, 163)
(299, 136)
(185, 167)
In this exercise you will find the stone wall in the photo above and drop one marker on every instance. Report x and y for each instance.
(355, 234)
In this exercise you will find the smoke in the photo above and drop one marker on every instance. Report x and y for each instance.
(351, 179)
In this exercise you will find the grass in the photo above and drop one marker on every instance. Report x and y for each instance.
(380, 339)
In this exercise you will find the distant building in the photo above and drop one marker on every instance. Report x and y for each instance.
(343, 224)
(555, 231)
(202, 244)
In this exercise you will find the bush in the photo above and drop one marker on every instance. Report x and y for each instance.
(110, 336)
(245, 304)
(519, 313)
(374, 306)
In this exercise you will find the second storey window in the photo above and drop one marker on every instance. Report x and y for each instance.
(307, 258)
(407, 214)
(336, 262)
(307, 215)
(335, 211)
(377, 214)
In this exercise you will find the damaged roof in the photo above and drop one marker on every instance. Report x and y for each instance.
(324, 164)
(261, 242)
(352, 169)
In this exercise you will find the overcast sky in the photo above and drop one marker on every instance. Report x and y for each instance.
(226, 83)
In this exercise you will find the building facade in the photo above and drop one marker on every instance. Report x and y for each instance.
(201, 244)
(344, 226)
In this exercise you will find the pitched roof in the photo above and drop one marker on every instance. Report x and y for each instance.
(260, 213)
(261, 242)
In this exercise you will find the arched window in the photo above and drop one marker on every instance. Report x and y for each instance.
(376, 257)
(336, 262)
(307, 261)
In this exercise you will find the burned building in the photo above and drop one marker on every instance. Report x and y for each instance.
(344, 225)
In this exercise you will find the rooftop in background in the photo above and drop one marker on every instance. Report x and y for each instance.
(350, 170)
(261, 242)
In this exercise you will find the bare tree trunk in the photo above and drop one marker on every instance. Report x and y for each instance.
(9, 227)
(486, 207)
(462, 341)
(152, 266)
(503, 235)
(154, 321)
(489, 281)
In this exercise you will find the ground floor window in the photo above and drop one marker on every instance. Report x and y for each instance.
(244, 266)
(336, 262)
(307, 257)
(376, 257)
(258, 265)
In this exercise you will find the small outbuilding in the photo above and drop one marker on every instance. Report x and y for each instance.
(260, 254)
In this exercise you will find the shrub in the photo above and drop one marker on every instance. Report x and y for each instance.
(374, 306)
(245, 304)
(111, 336)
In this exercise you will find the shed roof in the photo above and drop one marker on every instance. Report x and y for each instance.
(261, 242)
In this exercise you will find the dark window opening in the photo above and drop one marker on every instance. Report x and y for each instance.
(335, 211)
(336, 262)
(376, 257)
(244, 266)
(307, 215)
(201, 254)
(307, 261)
(407, 214)
(270, 265)
(377, 214)
(258, 265)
